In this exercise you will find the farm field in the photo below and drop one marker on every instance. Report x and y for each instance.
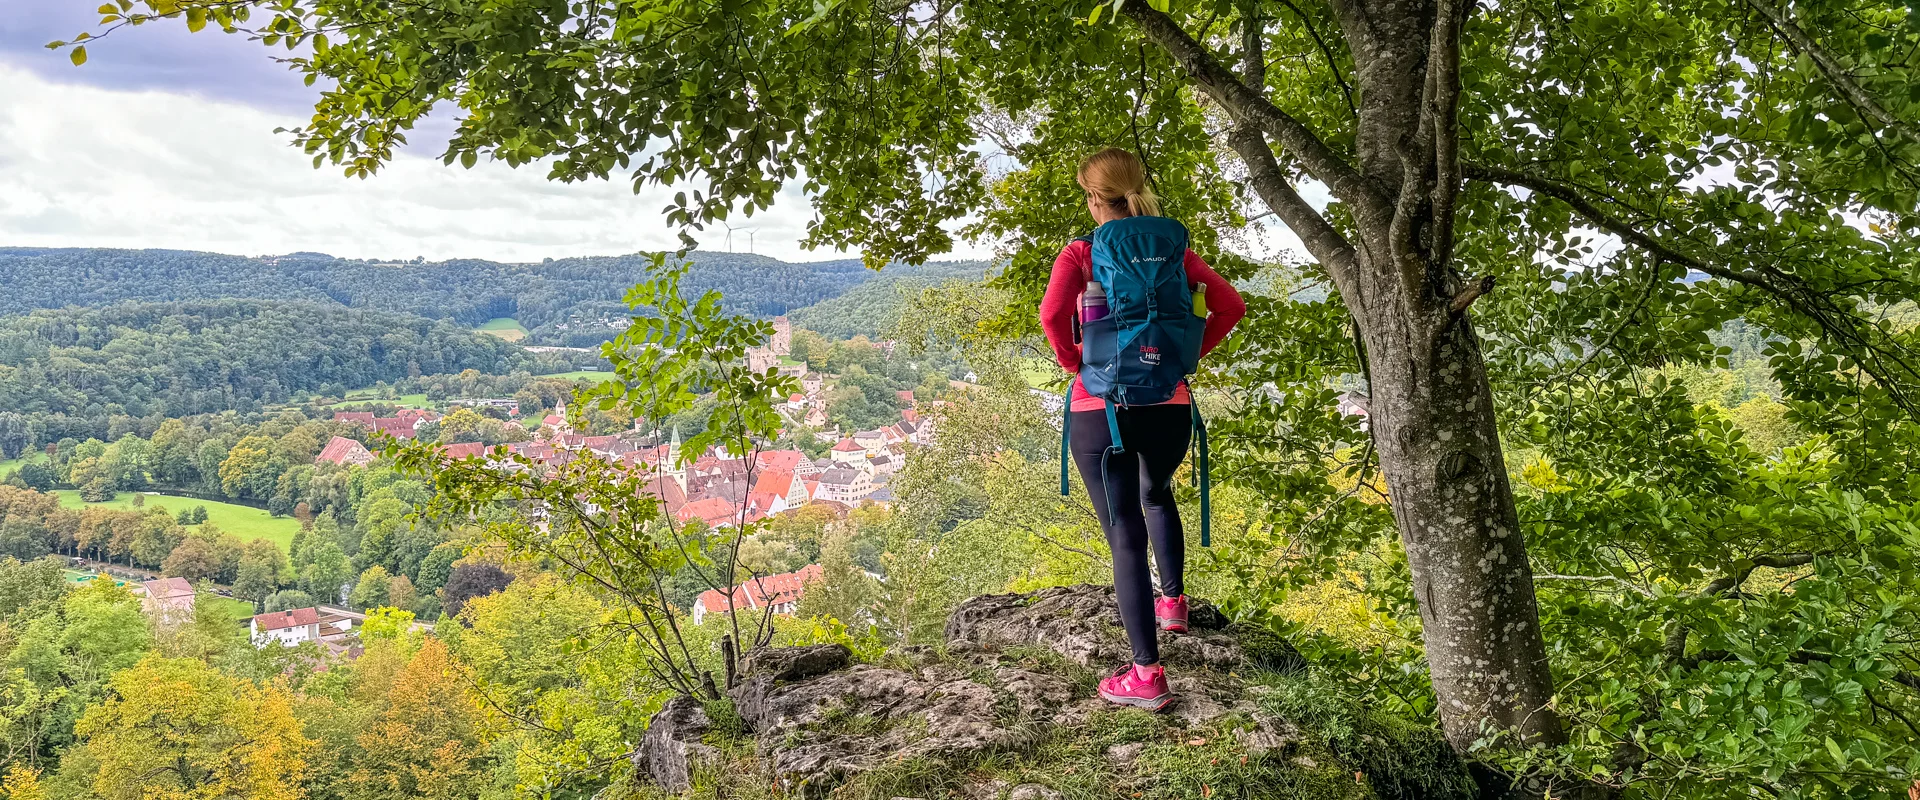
(506, 328)
(9, 465)
(243, 521)
(416, 400)
(583, 375)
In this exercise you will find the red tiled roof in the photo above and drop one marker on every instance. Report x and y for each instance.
(340, 450)
(904, 394)
(777, 481)
(464, 450)
(780, 459)
(713, 511)
(847, 446)
(395, 427)
(668, 493)
(762, 502)
(291, 618)
(412, 415)
(771, 590)
(361, 418)
(910, 415)
(168, 588)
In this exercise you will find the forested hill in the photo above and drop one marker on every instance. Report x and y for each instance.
(872, 307)
(465, 291)
(205, 356)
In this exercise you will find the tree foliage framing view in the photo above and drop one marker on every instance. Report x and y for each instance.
(1521, 195)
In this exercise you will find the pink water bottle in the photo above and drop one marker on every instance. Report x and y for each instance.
(1093, 304)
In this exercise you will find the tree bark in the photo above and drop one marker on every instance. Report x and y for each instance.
(1431, 412)
(1431, 415)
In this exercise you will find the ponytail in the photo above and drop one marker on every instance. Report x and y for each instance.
(1119, 179)
(1142, 203)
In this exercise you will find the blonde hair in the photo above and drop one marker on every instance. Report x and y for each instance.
(1119, 179)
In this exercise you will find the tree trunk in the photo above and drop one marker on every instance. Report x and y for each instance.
(1431, 415)
(1432, 408)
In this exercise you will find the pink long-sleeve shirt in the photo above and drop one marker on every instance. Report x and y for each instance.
(1071, 271)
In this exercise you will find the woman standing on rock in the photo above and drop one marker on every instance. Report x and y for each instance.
(1142, 300)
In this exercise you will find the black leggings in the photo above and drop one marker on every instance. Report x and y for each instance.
(1156, 441)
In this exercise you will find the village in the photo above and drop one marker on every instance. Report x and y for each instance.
(715, 489)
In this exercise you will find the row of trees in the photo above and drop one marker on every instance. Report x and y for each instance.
(464, 291)
(84, 367)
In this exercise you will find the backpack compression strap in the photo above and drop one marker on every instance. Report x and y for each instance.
(1066, 430)
(1203, 477)
(1066, 405)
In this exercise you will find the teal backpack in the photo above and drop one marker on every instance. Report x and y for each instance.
(1149, 341)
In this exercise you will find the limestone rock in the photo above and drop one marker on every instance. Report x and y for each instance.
(795, 663)
(1123, 755)
(1081, 623)
(819, 731)
(998, 686)
(672, 745)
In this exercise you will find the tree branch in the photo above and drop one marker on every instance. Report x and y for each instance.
(1253, 47)
(1843, 83)
(1624, 583)
(1333, 66)
(1251, 106)
(1270, 182)
(1466, 296)
(1675, 647)
(1889, 366)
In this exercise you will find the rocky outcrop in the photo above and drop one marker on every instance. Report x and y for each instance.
(1015, 677)
(675, 744)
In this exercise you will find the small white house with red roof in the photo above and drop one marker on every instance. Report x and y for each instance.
(783, 484)
(780, 593)
(296, 625)
(168, 600)
(288, 628)
(847, 451)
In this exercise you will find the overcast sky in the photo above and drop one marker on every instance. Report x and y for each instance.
(165, 139)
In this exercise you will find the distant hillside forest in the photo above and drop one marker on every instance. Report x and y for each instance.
(563, 301)
(176, 359)
(871, 308)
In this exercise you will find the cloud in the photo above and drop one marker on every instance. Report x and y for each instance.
(160, 56)
(88, 166)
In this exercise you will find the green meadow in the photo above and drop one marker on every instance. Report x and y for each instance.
(506, 328)
(246, 522)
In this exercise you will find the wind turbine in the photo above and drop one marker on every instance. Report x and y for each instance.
(748, 231)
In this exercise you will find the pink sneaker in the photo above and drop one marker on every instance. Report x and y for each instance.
(1128, 688)
(1172, 613)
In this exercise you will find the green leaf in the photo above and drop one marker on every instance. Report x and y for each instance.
(196, 19)
(78, 56)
